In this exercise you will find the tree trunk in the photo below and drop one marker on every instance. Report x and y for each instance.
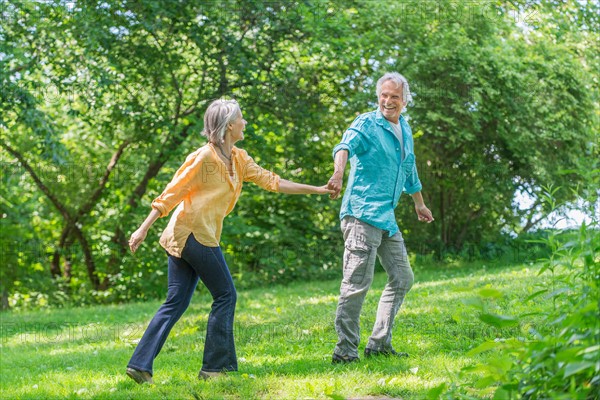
(55, 271)
(458, 243)
(55, 264)
(444, 234)
(5, 305)
(68, 268)
(88, 258)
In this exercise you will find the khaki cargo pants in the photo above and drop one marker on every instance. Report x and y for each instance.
(363, 243)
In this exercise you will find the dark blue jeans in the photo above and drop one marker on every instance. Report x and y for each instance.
(197, 262)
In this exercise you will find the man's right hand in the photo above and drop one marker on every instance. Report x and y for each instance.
(335, 184)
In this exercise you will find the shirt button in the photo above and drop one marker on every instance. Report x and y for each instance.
(397, 149)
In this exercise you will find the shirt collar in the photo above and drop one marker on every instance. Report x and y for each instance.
(380, 119)
(234, 149)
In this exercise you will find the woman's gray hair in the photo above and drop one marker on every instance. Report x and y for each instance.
(218, 115)
(399, 80)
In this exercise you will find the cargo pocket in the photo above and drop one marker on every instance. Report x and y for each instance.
(356, 260)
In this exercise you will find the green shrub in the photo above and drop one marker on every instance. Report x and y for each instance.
(560, 358)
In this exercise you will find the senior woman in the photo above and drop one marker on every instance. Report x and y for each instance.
(204, 190)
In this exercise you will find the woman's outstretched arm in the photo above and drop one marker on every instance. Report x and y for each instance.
(289, 187)
(138, 236)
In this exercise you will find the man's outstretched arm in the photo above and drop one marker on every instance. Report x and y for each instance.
(337, 179)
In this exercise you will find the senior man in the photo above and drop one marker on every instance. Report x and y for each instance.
(380, 148)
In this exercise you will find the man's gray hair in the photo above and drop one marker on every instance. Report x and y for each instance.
(399, 80)
(218, 115)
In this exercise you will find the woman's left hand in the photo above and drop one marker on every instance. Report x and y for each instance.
(323, 190)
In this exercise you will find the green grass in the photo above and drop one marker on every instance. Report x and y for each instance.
(284, 339)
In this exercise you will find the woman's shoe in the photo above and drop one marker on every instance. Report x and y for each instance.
(140, 376)
(209, 374)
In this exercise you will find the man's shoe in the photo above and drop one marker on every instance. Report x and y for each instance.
(387, 353)
(337, 359)
(209, 374)
(140, 376)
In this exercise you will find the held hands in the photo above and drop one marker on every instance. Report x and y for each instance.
(424, 213)
(323, 190)
(136, 239)
(335, 185)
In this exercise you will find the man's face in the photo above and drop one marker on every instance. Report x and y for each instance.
(390, 101)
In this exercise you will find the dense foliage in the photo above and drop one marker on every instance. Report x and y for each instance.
(100, 103)
(557, 356)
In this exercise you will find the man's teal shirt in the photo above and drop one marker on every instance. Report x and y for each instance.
(378, 175)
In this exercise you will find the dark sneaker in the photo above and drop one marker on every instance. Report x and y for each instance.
(387, 353)
(337, 359)
(140, 376)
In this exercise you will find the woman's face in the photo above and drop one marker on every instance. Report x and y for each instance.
(237, 129)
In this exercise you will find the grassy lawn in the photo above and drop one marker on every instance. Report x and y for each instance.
(284, 339)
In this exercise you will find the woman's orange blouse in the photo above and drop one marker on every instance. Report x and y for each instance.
(204, 194)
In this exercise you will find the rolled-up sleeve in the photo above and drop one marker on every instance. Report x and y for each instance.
(412, 184)
(353, 140)
(252, 172)
(181, 185)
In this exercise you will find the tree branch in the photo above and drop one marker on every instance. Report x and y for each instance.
(86, 208)
(59, 206)
(70, 220)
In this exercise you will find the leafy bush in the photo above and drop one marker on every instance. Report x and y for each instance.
(560, 359)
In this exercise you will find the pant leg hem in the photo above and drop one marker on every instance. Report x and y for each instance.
(378, 347)
(350, 353)
(219, 370)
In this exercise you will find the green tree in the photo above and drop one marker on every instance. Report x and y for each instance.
(101, 101)
(500, 108)
(131, 82)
